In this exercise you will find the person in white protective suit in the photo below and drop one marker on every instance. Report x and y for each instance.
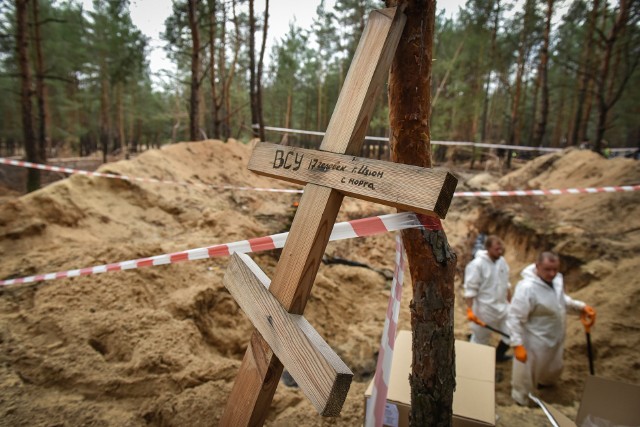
(536, 321)
(487, 292)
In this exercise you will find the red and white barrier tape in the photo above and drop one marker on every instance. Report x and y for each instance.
(376, 404)
(378, 399)
(554, 192)
(343, 230)
(435, 142)
(500, 193)
(30, 165)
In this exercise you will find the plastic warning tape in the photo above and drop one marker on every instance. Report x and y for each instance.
(553, 192)
(450, 143)
(377, 402)
(500, 193)
(40, 166)
(343, 230)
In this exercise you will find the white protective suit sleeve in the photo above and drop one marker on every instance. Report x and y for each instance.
(518, 314)
(574, 306)
(472, 279)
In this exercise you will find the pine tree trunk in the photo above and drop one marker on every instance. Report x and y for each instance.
(534, 105)
(252, 72)
(22, 48)
(194, 102)
(607, 96)
(287, 117)
(431, 261)
(559, 136)
(587, 70)
(492, 56)
(202, 132)
(222, 67)
(541, 126)
(259, 75)
(130, 138)
(215, 111)
(231, 74)
(78, 113)
(514, 133)
(105, 114)
(586, 107)
(120, 120)
(41, 89)
(319, 106)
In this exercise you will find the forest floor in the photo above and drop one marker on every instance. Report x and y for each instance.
(161, 346)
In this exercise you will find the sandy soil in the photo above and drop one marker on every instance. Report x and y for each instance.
(161, 346)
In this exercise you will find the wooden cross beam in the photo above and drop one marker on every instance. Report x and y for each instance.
(295, 273)
(422, 190)
(317, 369)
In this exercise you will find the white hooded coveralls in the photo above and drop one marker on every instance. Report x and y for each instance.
(487, 282)
(537, 319)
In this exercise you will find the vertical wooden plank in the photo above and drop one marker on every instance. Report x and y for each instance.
(303, 250)
(253, 390)
(248, 403)
(365, 80)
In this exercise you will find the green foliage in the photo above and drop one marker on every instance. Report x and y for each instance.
(79, 47)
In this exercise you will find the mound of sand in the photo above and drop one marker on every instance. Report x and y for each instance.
(162, 345)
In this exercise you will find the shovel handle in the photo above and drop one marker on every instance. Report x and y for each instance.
(590, 354)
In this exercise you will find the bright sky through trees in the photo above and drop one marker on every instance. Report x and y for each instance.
(149, 17)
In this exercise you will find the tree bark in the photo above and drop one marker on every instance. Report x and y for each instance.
(41, 89)
(130, 138)
(287, 117)
(122, 142)
(259, 75)
(215, 106)
(431, 260)
(534, 105)
(105, 116)
(559, 138)
(222, 70)
(22, 48)
(607, 93)
(252, 71)
(544, 85)
(194, 101)
(485, 106)
(523, 53)
(231, 74)
(579, 130)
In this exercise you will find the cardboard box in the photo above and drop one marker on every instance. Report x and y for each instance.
(474, 397)
(604, 403)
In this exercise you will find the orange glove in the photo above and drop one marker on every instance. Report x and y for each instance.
(521, 353)
(472, 317)
(588, 317)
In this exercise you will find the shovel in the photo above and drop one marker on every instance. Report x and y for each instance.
(491, 328)
(588, 322)
(496, 330)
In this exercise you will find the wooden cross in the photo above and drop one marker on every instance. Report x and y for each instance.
(329, 174)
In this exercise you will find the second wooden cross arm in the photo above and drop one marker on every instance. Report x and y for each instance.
(413, 188)
(317, 369)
